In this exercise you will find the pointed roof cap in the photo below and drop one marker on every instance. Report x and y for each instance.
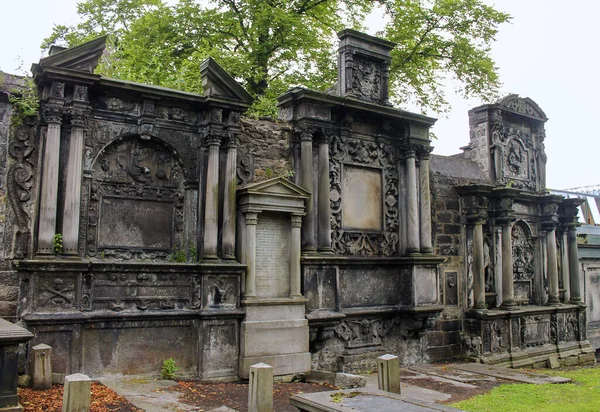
(217, 83)
(84, 57)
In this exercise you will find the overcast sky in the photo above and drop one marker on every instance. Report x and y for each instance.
(548, 53)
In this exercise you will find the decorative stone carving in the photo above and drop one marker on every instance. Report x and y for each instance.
(347, 151)
(366, 79)
(523, 261)
(520, 105)
(363, 332)
(245, 169)
(56, 293)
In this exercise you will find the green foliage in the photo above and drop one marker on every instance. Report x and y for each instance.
(168, 369)
(25, 101)
(193, 254)
(57, 243)
(581, 395)
(272, 45)
(178, 256)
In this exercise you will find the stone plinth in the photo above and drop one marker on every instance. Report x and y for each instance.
(10, 338)
(260, 393)
(76, 397)
(41, 365)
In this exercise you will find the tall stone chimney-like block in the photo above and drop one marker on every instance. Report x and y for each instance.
(363, 66)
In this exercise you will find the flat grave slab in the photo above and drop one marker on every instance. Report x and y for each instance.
(510, 374)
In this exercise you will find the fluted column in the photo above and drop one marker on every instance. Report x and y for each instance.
(324, 208)
(508, 287)
(228, 232)
(575, 287)
(72, 206)
(413, 245)
(295, 249)
(49, 190)
(553, 292)
(211, 208)
(478, 266)
(426, 245)
(306, 181)
(250, 255)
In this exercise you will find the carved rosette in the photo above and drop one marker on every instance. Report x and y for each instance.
(356, 152)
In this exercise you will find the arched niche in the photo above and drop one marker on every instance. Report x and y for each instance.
(523, 253)
(136, 198)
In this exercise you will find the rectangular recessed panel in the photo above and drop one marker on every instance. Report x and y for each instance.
(135, 223)
(273, 255)
(361, 201)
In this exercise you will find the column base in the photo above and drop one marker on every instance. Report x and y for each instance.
(427, 250)
(509, 305)
(553, 302)
(210, 257)
(229, 257)
(310, 252)
(325, 251)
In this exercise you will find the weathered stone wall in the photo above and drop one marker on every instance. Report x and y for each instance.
(264, 150)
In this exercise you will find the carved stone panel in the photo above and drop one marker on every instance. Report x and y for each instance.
(535, 330)
(360, 333)
(273, 255)
(523, 262)
(320, 288)
(55, 292)
(366, 79)
(365, 161)
(365, 286)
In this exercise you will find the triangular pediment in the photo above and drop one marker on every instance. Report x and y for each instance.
(276, 186)
(84, 57)
(216, 82)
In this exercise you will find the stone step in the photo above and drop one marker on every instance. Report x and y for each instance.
(509, 374)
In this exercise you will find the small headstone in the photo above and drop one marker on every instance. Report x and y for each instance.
(260, 394)
(77, 393)
(388, 377)
(41, 358)
(347, 381)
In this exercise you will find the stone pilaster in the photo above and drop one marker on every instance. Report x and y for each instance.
(72, 206)
(211, 208)
(306, 182)
(564, 267)
(508, 288)
(228, 231)
(550, 222)
(295, 251)
(324, 207)
(478, 265)
(49, 190)
(426, 245)
(250, 254)
(413, 245)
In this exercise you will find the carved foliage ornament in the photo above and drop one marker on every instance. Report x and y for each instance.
(376, 155)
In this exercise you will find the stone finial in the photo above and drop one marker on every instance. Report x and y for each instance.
(363, 66)
(388, 370)
(260, 394)
(77, 393)
(41, 358)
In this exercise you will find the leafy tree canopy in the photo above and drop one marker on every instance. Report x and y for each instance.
(270, 45)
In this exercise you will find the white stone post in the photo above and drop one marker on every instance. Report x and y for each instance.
(295, 250)
(251, 222)
(553, 292)
(324, 207)
(49, 192)
(72, 206)
(306, 181)
(41, 359)
(388, 373)
(211, 209)
(426, 245)
(260, 388)
(478, 266)
(575, 287)
(412, 203)
(77, 393)
(228, 236)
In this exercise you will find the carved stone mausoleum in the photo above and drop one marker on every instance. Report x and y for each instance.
(142, 223)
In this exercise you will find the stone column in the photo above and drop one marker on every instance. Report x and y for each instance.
(508, 287)
(250, 255)
(426, 246)
(565, 266)
(306, 181)
(553, 292)
(228, 233)
(211, 209)
(575, 287)
(478, 266)
(324, 208)
(72, 206)
(412, 206)
(295, 249)
(49, 192)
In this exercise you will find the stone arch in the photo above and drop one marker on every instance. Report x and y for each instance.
(136, 199)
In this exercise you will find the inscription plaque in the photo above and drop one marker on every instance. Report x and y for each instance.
(272, 255)
(146, 224)
(361, 206)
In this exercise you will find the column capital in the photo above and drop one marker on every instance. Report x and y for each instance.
(305, 131)
(569, 213)
(231, 140)
(296, 220)
(214, 136)
(78, 117)
(424, 152)
(410, 152)
(251, 218)
(52, 114)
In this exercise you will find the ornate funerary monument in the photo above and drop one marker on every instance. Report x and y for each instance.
(143, 223)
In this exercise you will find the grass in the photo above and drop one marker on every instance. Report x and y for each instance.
(583, 395)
